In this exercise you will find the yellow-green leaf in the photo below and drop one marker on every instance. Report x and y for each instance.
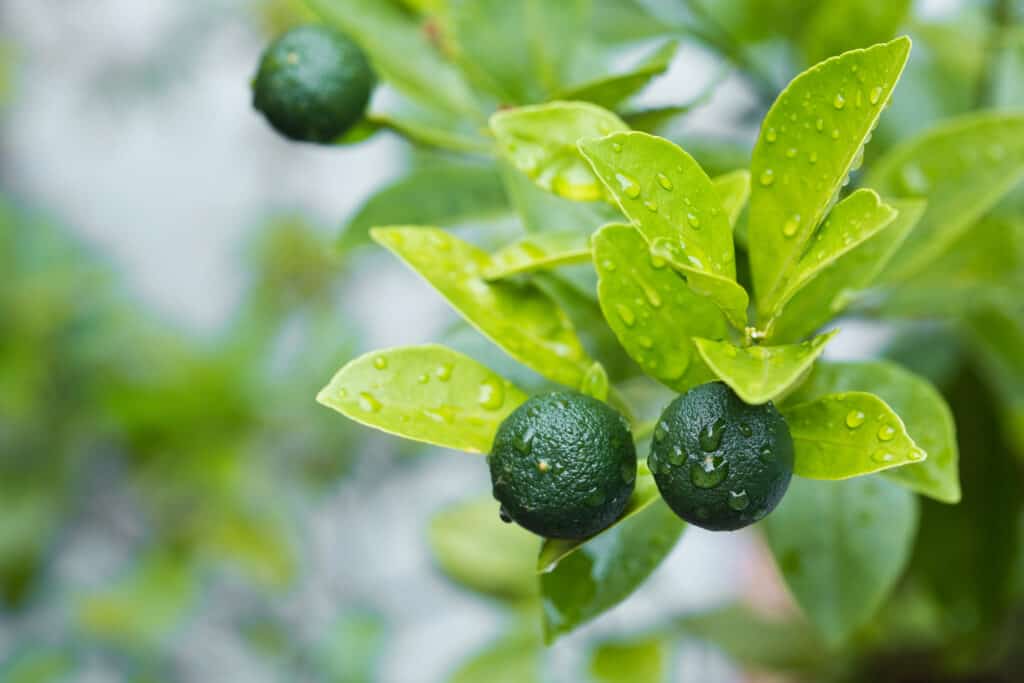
(518, 317)
(759, 374)
(810, 140)
(539, 251)
(424, 393)
(733, 192)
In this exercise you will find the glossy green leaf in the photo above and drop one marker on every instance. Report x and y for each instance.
(595, 383)
(921, 408)
(733, 192)
(810, 140)
(759, 374)
(841, 546)
(962, 167)
(540, 211)
(843, 435)
(518, 51)
(852, 222)
(541, 251)
(430, 129)
(832, 289)
(541, 141)
(676, 207)
(475, 548)
(518, 317)
(606, 569)
(836, 27)
(400, 51)
(645, 492)
(651, 310)
(440, 195)
(634, 661)
(514, 658)
(424, 393)
(610, 91)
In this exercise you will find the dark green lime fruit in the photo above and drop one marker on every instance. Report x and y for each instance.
(563, 465)
(720, 463)
(313, 84)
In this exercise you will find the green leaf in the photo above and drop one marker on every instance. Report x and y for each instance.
(541, 141)
(634, 661)
(350, 649)
(514, 658)
(811, 139)
(843, 435)
(963, 167)
(676, 207)
(424, 393)
(921, 408)
(476, 549)
(759, 374)
(424, 127)
(518, 51)
(645, 492)
(611, 91)
(852, 222)
(832, 289)
(541, 251)
(400, 52)
(836, 27)
(607, 568)
(518, 317)
(841, 546)
(733, 192)
(651, 310)
(440, 195)
(595, 383)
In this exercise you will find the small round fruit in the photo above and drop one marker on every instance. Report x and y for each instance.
(313, 84)
(720, 463)
(563, 465)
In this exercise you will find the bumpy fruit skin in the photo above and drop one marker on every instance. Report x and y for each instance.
(313, 84)
(563, 465)
(720, 463)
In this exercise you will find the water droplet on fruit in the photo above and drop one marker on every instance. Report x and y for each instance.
(710, 437)
(765, 455)
(626, 314)
(660, 432)
(665, 182)
(524, 442)
(652, 463)
(628, 186)
(677, 456)
(745, 429)
(491, 394)
(709, 472)
(886, 433)
(596, 498)
(628, 472)
(504, 516)
(767, 177)
(380, 362)
(854, 419)
(739, 500)
(368, 403)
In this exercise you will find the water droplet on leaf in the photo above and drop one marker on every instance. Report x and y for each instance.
(854, 419)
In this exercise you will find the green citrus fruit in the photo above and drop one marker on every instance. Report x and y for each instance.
(720, 463)
(563, 465)
(313, 84)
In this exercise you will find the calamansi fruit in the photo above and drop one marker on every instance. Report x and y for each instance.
(313, 84)
(720, 463)
(563, 465)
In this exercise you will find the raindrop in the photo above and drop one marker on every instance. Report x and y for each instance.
(626, 314)
(710, 437)
(651, 205)
(709, 472)
(835, 133)
(770, 135)
(820, 125)
(791, 226)
(423, 378)
(657, 262)
(596, 498)
(767, 177)
(882, 456)
(660, 432)
(739, 500)
(645, 342)
(368, 403)
(692, 219)
(491, 395)
(916, 454)
(791, 153)
(765, 455)
(813, 157)
(839, 101)
(745, 429)
(854, 419)
(524, 442)
(616, 147)
(653, 298)
(628, 186)
(380, 362)
(886, 433)
(652, 463)
(444, 372)
(677, 456)
(875, 95)
(665, 182)
(608, 265)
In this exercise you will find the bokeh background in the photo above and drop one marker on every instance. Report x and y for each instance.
(175, 505)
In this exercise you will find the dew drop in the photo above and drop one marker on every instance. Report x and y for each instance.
(835, 133)
(710, 437)
(657, 262)
(914, 179)
(765, 455)
(745, 429)
(524, 442)
(628, 186)
(660, 432)
(813, 157)
(664, 181)
(692, 219)
(653, 298)
(652, 463)
(626, 314)
(875, 95)
(380, 362)
(645, 342)
(854, 419)
(608, 265)
(368, 403)
(677, 456)
(839, 101)
(791, 226)
(770, 135)
(886, 433)
(616, 147)
(709, 472)
(820, 125)
(916, 454)
(882, 456)
(651, 205)
(791, 153)
(596, 498)
(739, 500)
(423, 378)
(491, 395)
(444, 372)
(767, 177)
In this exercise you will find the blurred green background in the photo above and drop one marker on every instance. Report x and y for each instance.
(177, 508)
